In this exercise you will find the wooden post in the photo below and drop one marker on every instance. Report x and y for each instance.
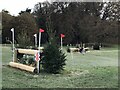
(15, 55)
(83, 45)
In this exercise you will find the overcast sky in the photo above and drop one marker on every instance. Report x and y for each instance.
(15, 6)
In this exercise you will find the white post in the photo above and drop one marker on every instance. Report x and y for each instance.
(39, 50)
(13, 41)
(35, 35)
(36, 40)
(39, 40)
(61, 43)
(71, 52)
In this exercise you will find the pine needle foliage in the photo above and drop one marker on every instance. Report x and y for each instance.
(54, 59)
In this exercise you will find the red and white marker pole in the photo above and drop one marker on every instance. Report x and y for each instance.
(40, 31)
(62, 36)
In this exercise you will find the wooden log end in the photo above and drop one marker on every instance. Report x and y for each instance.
(23, 67)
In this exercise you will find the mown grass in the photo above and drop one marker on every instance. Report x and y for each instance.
(0, 67)
(95, 69)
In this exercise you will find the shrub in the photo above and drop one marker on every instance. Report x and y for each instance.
(54, 59)
(68, 50)
(96, 46)
(24, 40)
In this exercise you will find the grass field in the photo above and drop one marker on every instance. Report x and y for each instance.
(95, 69)
(0, 67)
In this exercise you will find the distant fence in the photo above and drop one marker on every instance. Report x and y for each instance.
(91, 45)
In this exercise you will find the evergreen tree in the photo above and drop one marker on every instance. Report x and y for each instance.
(54, 58)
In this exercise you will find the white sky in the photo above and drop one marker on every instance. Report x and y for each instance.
(15, 6)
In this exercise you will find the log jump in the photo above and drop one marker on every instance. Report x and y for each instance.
(21, 66)
(76, 49)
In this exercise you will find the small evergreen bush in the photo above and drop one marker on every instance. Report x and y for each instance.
(96, 46)
(54, 59)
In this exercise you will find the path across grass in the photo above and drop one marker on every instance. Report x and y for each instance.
(94, 69)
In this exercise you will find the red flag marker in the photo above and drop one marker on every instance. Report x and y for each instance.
(62, 35)
(41, 30)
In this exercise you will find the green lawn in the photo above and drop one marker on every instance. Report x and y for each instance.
(0, 68)
(94, 69)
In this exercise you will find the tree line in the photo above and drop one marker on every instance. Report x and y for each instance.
(86, 22)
